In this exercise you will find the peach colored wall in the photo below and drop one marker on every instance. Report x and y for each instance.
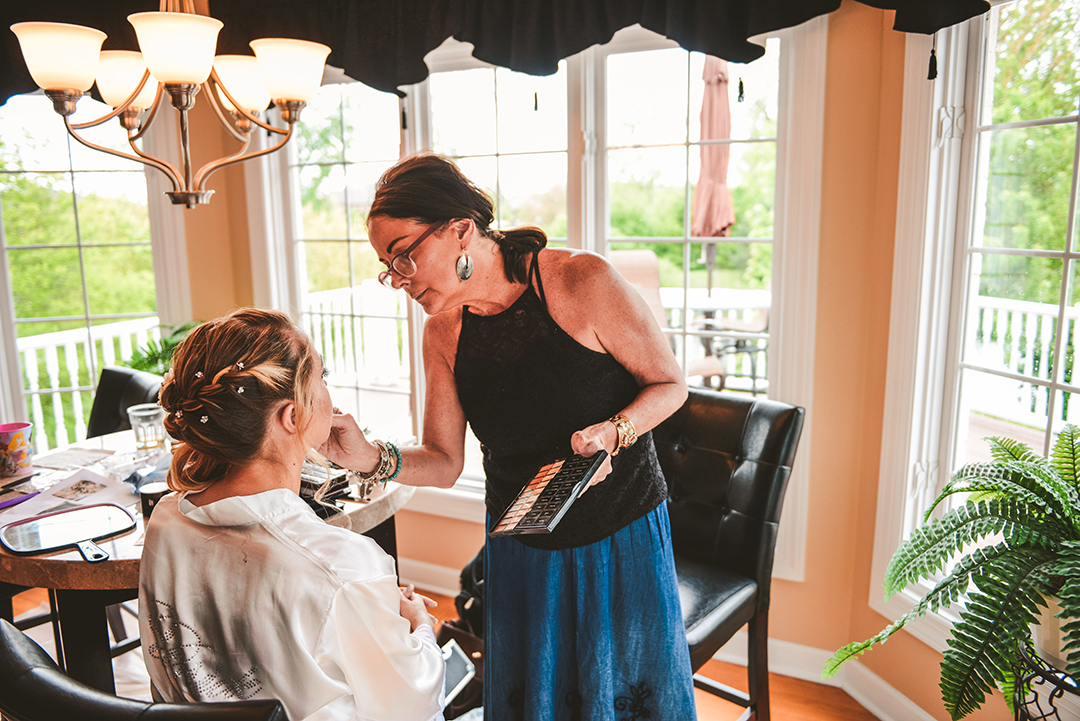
(218, 246)
(433, 539)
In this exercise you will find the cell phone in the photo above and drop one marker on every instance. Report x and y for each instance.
(459, 669)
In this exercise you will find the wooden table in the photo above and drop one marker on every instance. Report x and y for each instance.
(83, 590)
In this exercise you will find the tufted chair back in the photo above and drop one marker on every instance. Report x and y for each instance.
(727, 460)
(32, 688)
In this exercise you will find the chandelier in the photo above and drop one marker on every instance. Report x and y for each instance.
(177, 59)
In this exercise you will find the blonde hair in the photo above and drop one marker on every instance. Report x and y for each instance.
(228, 377)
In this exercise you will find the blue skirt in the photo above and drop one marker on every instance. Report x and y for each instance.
(587, 634)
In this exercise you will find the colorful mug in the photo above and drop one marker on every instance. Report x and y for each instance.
(16, 454)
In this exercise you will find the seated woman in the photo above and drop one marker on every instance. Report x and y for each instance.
(244, 592)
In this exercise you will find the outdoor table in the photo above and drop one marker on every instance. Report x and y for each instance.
(84, 590)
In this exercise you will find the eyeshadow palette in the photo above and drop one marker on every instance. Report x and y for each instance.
(545, 499)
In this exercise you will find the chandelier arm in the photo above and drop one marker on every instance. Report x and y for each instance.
(119, 108)
(163, 165)
(152, 114)
(250, 116)
(208, 87)
(119, 153)
(200, 177)
(209, 168)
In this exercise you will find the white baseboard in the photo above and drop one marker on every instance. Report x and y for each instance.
(785, 658)
(805, 662)
(440, 579)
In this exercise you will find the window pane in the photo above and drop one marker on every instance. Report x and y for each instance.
(1012, 316)
(647, 191)
(113, 207)
(109, 134)
(534, 192)
(994, 406)
(362, 178)
(463, 112)
(372, 123)
(120, 280)
(485, 173)
(320, 134)
(38, 209)
(322, 197)
(1034, 71)
(750, 181)
(328, 265)
(46, 283)
(662, 77)
(1025, 187)
(32, 135)
(365, 263)
(532, 111)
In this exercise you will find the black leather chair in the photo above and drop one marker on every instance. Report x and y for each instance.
(727, 460)
(118, 388)
(32, 688)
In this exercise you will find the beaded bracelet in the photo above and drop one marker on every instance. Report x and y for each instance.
(389, 457)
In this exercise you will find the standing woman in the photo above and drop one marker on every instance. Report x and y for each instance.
(544, 352)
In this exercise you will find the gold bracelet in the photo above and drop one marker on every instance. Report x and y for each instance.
(626, 431)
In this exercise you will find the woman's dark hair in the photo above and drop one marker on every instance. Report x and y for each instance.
(228, 377)
(430, 189)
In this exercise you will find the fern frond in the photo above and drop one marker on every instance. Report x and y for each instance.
(1033, 483)
(1004, 450)
(991, 627)
(949, 590)
(933, 545)
(1065, 455)
(1068, 567)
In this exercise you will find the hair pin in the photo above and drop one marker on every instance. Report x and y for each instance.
(240, 365)
(198, 374)
(179, 414)
(239, 389)
(204, 419)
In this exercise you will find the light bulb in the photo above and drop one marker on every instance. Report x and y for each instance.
(60, 56)
(119, 71)
(177, 47)
(291, 69)
(240, 75)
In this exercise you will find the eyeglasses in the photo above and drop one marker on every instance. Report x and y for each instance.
(402, 263)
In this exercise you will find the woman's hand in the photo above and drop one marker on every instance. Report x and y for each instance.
(347, 446)
(414, 608)
(592, 439)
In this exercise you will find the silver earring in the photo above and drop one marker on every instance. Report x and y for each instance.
(464, 266)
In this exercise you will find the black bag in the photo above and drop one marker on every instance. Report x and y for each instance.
(470, 602)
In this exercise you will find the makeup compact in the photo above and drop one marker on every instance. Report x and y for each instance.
(545, 499)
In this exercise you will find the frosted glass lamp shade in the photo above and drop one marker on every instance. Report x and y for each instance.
(177, 47)
(241, 77)
(60, 56)
(119, 71)
(291, 69)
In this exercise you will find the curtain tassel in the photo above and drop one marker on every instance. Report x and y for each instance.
(742, 95)
(932, 74)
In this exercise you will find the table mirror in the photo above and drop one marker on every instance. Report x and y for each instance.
(74, 527)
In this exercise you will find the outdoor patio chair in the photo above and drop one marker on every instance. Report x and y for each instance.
(32, 688)
(727, 459)
(118, 388)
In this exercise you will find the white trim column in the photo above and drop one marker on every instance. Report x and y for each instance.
(12, 402)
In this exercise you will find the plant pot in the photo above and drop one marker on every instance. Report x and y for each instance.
(1048, 637)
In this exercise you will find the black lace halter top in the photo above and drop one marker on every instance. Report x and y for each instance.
(526, 386)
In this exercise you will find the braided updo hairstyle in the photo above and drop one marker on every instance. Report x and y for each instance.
(228, 378)
(429, 189)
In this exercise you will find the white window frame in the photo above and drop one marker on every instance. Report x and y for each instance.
(800, 130)
(168, 247)
(934, 211)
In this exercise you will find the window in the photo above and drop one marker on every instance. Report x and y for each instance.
(604, 155)
(79, 263)
(985, 248)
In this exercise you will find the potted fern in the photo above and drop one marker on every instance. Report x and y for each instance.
(1012, 546)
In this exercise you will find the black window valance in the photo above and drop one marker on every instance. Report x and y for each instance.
(382, 43)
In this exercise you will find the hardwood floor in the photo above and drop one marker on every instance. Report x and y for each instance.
(792, 699)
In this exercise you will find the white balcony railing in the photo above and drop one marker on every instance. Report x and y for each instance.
(59, 367)
(362, 336)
